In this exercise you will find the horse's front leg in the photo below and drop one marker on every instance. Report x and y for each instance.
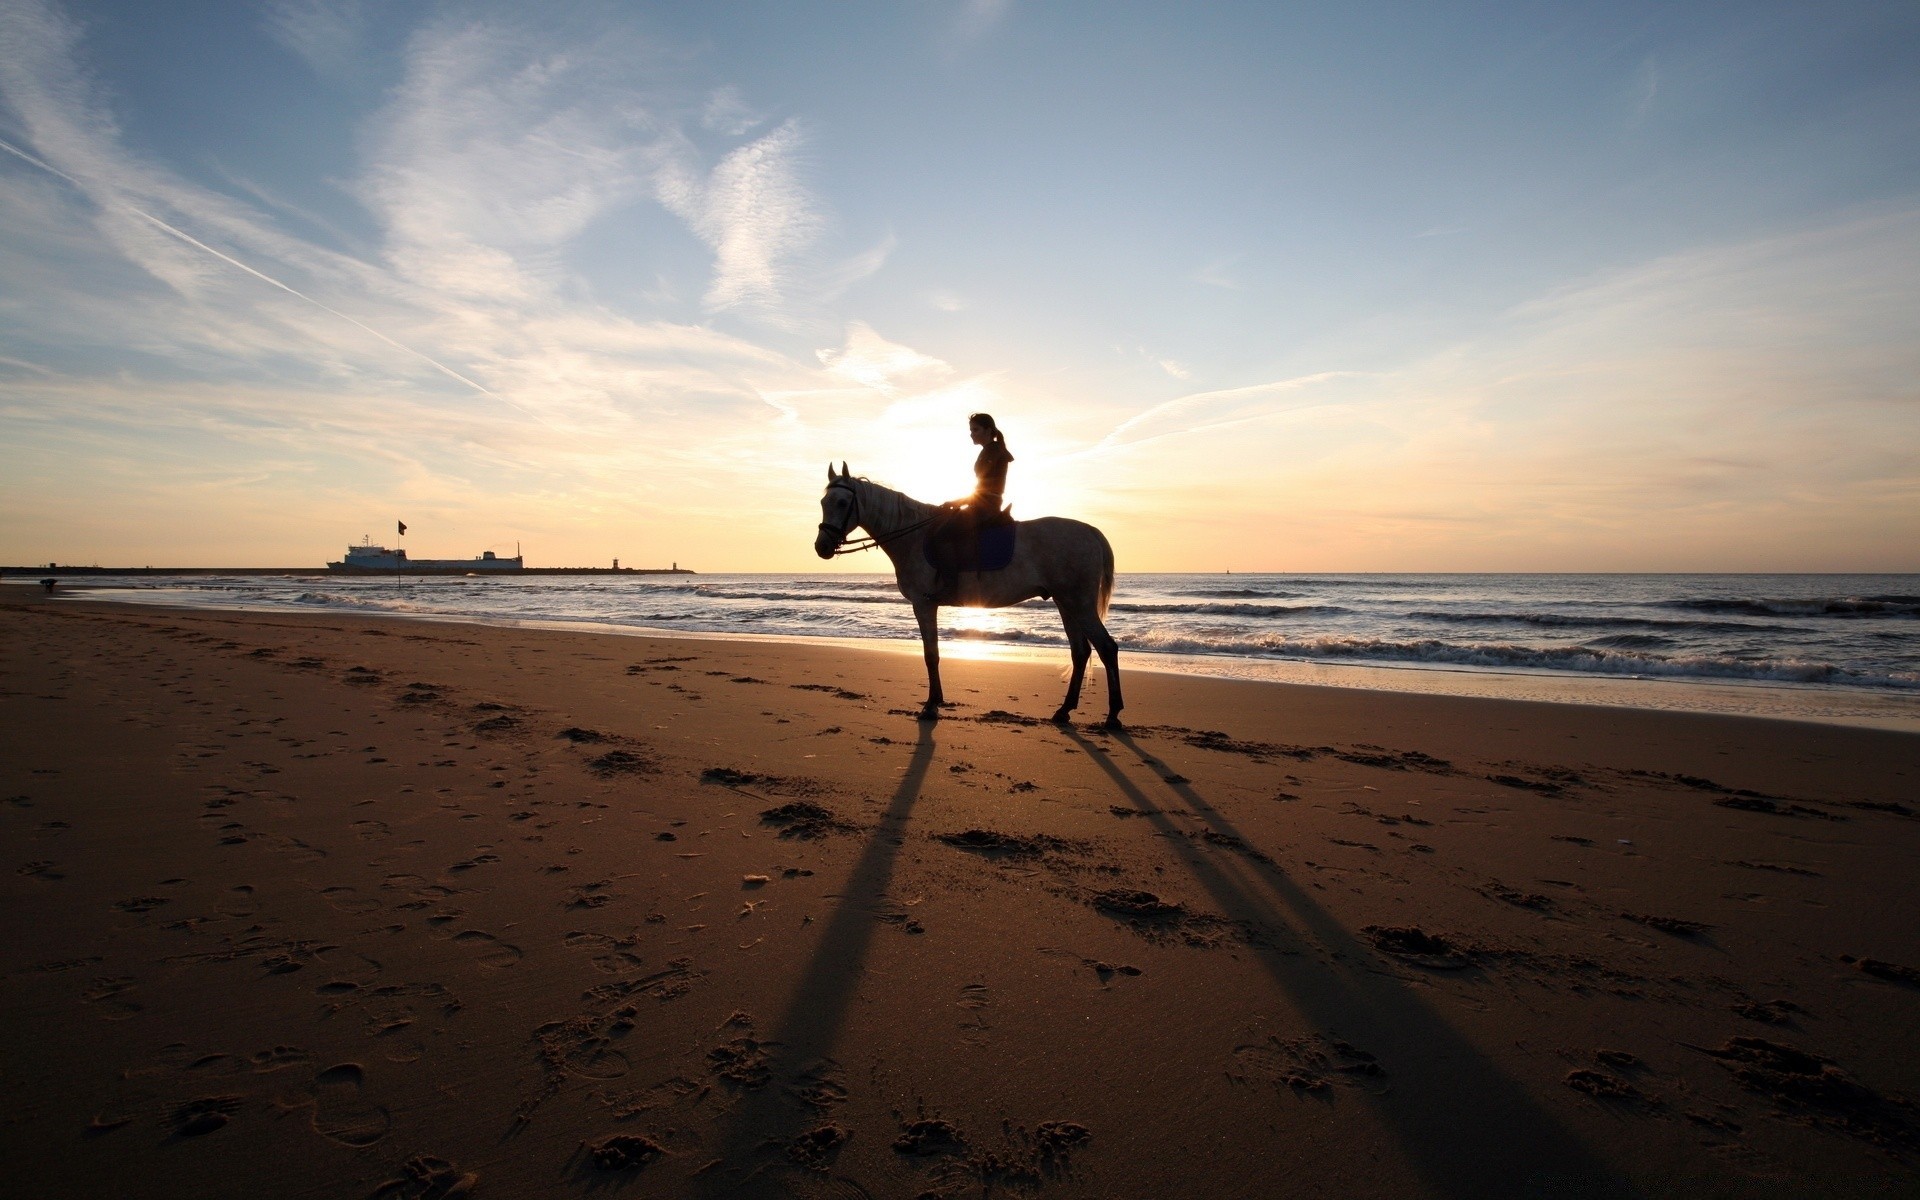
(1078, 648)
(928, 615)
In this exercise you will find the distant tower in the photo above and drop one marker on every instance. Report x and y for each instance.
(616, 564)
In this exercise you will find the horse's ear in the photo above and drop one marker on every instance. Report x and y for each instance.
(829, 472)
(844, 473)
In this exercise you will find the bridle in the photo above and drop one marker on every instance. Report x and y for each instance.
(853, 519)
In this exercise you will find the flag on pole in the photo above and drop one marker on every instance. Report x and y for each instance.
(403, 528)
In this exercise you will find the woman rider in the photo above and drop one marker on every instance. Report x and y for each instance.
(965, 518)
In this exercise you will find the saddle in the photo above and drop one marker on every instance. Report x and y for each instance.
(970, 543)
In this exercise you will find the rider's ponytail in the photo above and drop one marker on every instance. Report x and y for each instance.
(999, 439)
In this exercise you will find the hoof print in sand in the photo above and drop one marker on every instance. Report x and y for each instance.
(1029, 1158)
(816, 1148)
(489, 951)
(744, 1061)
(197, 1118)
(1672, 925)
(802, 819)
(1308, 1064)
(1410, 943)
(928, 1136)
(1891, 972)
(621, 762)
(1600, 1085)
(1768, 1012)
(992, 844)
(1138, 905)
(1813, 1090)
(425, 1177)
(341, 1113)
(624, 1152)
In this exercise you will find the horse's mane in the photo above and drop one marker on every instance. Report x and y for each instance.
(911, 506)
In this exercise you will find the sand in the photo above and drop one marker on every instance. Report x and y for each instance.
(333, 906)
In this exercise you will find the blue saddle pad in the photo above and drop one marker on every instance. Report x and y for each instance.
(991, 550)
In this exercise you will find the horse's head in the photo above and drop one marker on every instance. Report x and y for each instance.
(839, 511)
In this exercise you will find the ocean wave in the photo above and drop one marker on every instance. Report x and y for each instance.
(1572, 621)
(1818, 606)
(1239, 593)
(376, 603)
(714, 593)
(1230, 610)
(1589, 659)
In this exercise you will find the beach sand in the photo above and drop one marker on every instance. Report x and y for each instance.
(333, 906)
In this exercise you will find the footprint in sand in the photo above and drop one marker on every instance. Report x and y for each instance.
(341, 1113)
(489, 950)
(348, 900)
(197, 1118)
(278, 1058)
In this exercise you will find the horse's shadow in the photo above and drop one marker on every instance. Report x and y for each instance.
(1463, 1125)
(807, 1028)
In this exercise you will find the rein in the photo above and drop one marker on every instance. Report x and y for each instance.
(853, 519)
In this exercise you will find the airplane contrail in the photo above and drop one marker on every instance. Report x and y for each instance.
(265, 278)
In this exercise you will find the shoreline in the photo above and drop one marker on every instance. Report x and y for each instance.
(400, 907)
(1778, 700)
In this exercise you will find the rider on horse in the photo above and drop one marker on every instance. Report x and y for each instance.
(962, 520)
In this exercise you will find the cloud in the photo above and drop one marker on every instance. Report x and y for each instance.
(1217, 274)
(752, 211)
(975, 19)
(1734, 407)
(727, 113)
(328, 35)
(887, 367)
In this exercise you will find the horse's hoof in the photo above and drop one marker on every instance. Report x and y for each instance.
(1063, 716)
(1112, 723)
(929, 712)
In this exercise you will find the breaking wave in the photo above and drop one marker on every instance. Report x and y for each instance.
(1829, 606)
(1548, 620)
(1232, 610)
(1587, 658)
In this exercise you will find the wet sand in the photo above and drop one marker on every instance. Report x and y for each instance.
(336, 906)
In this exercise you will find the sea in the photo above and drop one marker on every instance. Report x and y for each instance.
(1841, 648)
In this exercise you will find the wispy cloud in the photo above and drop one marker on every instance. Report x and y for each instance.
(975, 19)
(1218, 273)
(727, 113)
(326, 34)
(752, 210)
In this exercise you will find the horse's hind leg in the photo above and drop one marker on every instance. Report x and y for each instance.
(1080, 649)
(1110, 659)
(929, 617)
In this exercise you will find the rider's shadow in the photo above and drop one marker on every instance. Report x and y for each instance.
(1468, 1129)
(804, 1034)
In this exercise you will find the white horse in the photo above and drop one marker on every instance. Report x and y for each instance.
(1068, 562)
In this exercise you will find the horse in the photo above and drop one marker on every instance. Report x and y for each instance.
(1068, 562)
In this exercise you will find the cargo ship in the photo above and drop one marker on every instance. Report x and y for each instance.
(369, 559)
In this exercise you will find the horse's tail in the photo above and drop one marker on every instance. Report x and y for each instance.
(1106, 575)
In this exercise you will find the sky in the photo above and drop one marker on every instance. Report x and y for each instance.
(1250, 286)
